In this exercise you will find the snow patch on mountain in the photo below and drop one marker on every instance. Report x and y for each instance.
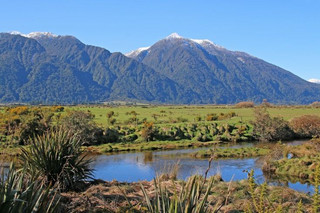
(314, 80)
(35, 34)
(206, 43)
(134, 53)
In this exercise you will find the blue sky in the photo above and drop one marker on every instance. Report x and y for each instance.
(283, 32)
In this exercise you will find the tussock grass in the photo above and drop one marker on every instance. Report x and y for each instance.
(57, 158)
(20, 193)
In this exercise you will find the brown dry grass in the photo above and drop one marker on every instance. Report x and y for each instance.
(112, 196)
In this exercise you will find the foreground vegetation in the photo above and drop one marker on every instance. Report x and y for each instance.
(51, 145)
(188, 196)
(56, 178)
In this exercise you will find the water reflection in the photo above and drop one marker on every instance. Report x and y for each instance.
(145, 165)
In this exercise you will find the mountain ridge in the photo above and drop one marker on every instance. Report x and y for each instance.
(184, 60)
(48, 68)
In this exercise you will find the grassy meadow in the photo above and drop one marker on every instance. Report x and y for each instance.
(171, 113)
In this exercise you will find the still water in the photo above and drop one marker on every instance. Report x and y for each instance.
(137, 166)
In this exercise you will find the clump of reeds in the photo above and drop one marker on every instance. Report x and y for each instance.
(192, 197)
(169, 172)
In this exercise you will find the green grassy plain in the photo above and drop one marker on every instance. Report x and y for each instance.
(167, 114)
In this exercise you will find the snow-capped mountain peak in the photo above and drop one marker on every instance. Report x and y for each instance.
(201, 42)
(174, 36)
(35, 34)
(206, 44)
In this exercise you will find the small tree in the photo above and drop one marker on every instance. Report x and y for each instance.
(148, 131)
(110, 118)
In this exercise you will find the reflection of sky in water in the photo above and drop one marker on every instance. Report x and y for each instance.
(144, 166)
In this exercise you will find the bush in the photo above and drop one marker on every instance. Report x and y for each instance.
(22, 123)
(148, 131)
(111, 135)
(182, 120)
(57, 158)
(306, 126)
(245, 104)
(130, 138)
(34, 126)
(228, 115)
(212, 117)
(198, 118)
(266, 128)
(81, 124)
(315, 104)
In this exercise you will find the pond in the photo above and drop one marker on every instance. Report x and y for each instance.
(137, 166)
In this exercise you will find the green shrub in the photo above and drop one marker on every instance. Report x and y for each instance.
(198, 118)
(111, 135)
(182, 120)
(130, 138)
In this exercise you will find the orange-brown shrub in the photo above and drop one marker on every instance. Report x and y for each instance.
(245, 104)
(211, 117)
(21, 110)
(306, 125)
(315, 104)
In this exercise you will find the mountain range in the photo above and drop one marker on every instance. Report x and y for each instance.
(51, 69)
